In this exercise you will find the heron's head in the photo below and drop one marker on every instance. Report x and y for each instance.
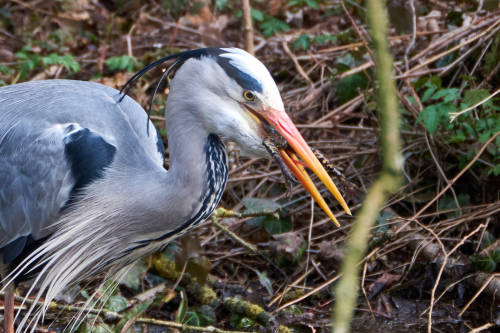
(232, 94)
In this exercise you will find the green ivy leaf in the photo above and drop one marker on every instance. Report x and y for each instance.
(274, 227)
(323, 39)
(444, 110)
(484, 263)
(29, 61)
(428, 92)
(495, 255)
(132, 279)
(192, 318)
(436, 114)
(457, 137)
(85, 294)
(349, 87)
(207, 315)
(222, 4)
(312, 3)
(448, 202)
(258, 204)
(117, 303)
(121, 63)
(348, 60)
(483, 137)
(5, 70)
(430, 117)
(468, 128)
(495, 170)
(473, 96)
(273, 26)
(448, 95)
(309, 3)
(67, 61)
(302, 42)
(257, 15)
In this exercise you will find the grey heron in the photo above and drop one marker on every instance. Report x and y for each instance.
(83, 189)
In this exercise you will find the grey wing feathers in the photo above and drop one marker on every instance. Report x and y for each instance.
(45, 127)
(35, 181)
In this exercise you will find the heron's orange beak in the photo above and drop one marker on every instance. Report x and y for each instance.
(306, 158)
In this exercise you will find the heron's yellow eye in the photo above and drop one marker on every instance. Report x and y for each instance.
(249, 96)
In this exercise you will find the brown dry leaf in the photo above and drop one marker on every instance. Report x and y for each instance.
(430, 21)
(117, 81)
(190, 256)
(6, 55)
(220, 23)
(204, 16)
(213, 31)
(40, 76)
(287, 244)
(328, 251)
(385, 280)
(400, 15)
(191, 248)
(80, 16)
(275, 7)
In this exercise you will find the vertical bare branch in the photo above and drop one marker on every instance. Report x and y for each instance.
(389, 180)
(413, 34)
(8, 312)
(248, 28)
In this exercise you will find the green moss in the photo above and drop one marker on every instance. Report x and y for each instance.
(284, 329)
(165, 267)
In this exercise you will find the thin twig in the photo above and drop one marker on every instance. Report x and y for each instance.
(323, 285)
(296, 63)
(440, 170)
(413, 33)
(309, 235)
(247, 26)
(485, 284)
(467, 167)
(441, 270)
(454, 115)
(442, 54)
(482, 328)
(363, 276)
(279, 297)
(360, 33)
(130, 52)
(231, 234)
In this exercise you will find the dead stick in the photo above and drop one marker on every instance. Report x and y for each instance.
(296, 63)
(248, 28)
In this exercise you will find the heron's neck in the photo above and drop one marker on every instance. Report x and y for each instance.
(198, 168)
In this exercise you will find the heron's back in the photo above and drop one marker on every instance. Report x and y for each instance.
(58, 135)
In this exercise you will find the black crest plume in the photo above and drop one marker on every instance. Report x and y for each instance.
(180, 58)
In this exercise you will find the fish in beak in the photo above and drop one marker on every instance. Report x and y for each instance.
(297, 155)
